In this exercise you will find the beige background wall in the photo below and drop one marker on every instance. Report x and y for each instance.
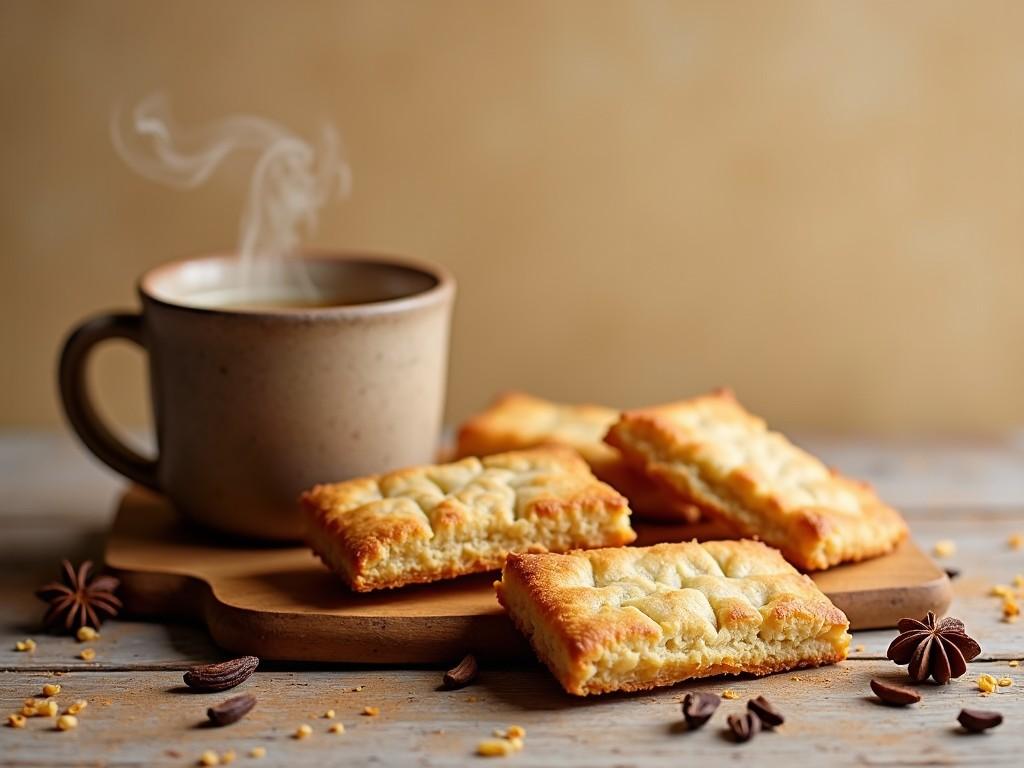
(817, 203)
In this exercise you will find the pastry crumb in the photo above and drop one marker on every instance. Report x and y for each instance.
(987, 683)
(945, 548)
(1014, 663)
(209, 757)
(257, 752)
(729, 693)
(25, 646)
(1010, 608)
(498, 747)
(302, 732)
(859, 648)
(1016, 541)
(77, 707)
(51, 689)
(371, 711)
(86, 634)
(1005, 681)
(87, 654)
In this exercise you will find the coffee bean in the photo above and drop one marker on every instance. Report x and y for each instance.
(744, 727)
(769, 715)
(699, 707)
(978, 720)
(895, 695)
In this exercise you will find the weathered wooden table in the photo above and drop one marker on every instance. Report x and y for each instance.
(55, 503)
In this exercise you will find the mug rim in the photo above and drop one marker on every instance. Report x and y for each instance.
(440, 292)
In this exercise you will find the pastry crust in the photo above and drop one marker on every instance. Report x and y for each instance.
(516, 421)
(633, 618)
(438, 522)
(712, 452)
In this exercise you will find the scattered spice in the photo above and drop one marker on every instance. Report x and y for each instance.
(744, 726)
(728, 693)
(51, 689)
(231, 710)
(978, 720)
(987, 683)
(371, 711)
(86, 634)
(79, 599)
(929, 648)
(87, 654)
(257, 752)
(945, 548)
(16, 721)
(25, 646)
(462, 674)
(698, 708)
(221, 676)
(770, 717)
(336, 728)
(67, 722)
(894, 695)
(303, 731)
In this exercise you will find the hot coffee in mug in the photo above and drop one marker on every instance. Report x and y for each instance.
(260, 394)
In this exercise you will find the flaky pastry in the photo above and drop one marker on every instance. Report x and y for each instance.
(631, 618)
(712, 452)
(516, 421)
(437, 522)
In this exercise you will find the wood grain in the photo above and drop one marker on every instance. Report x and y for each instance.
(831, 715)
(137, 715)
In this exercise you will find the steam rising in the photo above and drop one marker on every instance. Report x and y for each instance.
(291, 181)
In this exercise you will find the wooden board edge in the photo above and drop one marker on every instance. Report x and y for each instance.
(871, 609)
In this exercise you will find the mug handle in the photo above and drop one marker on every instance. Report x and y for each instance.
(78, 405)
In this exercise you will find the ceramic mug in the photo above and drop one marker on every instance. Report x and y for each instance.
(255, 403)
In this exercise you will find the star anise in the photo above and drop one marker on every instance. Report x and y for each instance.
(79, 599)
(941, 649)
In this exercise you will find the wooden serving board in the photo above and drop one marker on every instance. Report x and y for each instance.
(281, 603)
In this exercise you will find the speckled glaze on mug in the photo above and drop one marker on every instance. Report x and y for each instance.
(254, 406)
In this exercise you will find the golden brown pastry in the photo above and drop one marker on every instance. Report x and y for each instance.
(437, 522)
(711, 452)
(631, 618)
(516, 421)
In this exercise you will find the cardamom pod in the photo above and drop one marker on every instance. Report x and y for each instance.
(221, 676)
(232, 710)
(462, 674)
